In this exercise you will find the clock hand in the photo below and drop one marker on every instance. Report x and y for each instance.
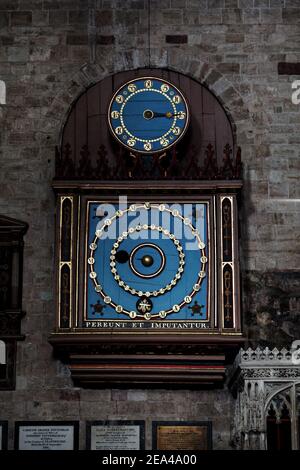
(160, 115)
(167, 115)
(148, 114)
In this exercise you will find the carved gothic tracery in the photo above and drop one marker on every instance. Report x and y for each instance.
(266, 385)
(171, 164)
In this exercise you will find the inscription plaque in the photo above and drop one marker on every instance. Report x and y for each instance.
(3, 435)
(178, 435)
(43, 435)
(115, 435)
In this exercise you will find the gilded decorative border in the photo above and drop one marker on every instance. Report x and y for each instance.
(231, 263)
(209, 284)
(64, 263)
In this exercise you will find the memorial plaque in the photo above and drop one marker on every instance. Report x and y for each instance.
(46, 435)
(3, 435)
(180, 435)
(115, 435)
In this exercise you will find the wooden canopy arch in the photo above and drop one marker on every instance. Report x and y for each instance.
(88, 151)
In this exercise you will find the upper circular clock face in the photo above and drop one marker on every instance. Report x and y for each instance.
(148, 115)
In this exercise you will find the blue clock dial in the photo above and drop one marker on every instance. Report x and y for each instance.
(148, 261)
(148, 115)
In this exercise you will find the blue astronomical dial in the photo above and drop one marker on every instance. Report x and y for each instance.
(148, 261)
(148, 115)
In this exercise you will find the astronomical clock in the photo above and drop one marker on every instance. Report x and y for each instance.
(147, 266)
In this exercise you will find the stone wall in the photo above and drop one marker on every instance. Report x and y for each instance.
(50, 51)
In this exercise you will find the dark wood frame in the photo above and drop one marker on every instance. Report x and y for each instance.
(207, 424)
(74, 424)
(199, 358)
(86, 136)
(120, 423)
(90, 163)
(4, 440)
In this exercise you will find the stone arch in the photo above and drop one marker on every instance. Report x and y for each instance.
(284, 387)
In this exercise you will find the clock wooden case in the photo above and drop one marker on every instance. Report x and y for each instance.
(147, 263)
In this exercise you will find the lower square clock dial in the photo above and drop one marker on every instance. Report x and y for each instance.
(148, 261)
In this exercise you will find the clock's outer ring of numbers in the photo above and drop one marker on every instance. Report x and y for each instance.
(163, 82)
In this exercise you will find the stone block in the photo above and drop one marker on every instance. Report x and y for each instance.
(77, 39)
(232, 16)
(279, 190)
(4, 19)
(251, 16)
(228, 68)
(291, 15)
(80, 54)
(69, 395)
(9, 5)
(292, 3)
(294, 192)
(126, 17)
(216, 3)
(234, 38)
(39, 53)
(261, 3)
(64, 4)
(157, 4)
(137, 395)
(40, 18)
(92, 395)
(178, 3)
(104, 18)
(119, 395)
(210, 17)
(58, 17)
(106, 40)
(32, 4)
(271, 15)
(78, 17)
(277, 3)
(172, 17)
(21, 18)
(246, 3)
(276, 176)
(137, 4)
(231, 4)
(191, 18)
(7, 41)
(18, 54)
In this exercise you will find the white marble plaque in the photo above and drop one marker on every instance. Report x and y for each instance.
(46, 437)
(115, 437)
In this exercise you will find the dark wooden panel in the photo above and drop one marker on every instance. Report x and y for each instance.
(93, 100)
(96, 126)
(81, 122)
(69, 130)
(222, 129)
(208, 102)
(106, 89)
(87, 122)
